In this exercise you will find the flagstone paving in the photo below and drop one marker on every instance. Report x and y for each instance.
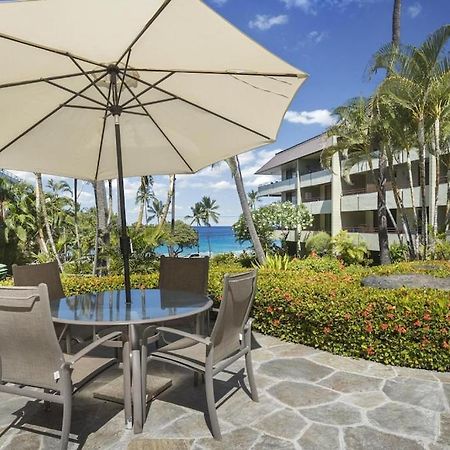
(309, 400)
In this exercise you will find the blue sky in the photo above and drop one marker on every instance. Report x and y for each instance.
(331, 40)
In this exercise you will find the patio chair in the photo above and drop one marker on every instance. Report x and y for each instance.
(30, 355)
(229, 340)
(48, 273)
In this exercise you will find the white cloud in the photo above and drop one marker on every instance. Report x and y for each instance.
(320, 117)
(265, 22)
(219, 2)
(305, 5)
(414, 10)
(316, 36)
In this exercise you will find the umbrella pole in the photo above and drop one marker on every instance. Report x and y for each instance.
(125, 246)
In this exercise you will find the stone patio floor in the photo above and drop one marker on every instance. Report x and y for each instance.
(309, 399)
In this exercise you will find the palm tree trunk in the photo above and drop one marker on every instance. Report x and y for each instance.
(396, 22)
(437, 154)
(422, 181)
(43, 206)
(383, 238)
(110, 204)
(102, 234)
(400, 207)
(413, 199)
(40, 232)
(233, 163)
(165, 211)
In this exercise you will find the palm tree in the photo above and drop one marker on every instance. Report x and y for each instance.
(170, 194)
(143, 197)
(396, 22)
(155, 210)
(197, 214)
(41, 208)
(359, 140)
(413, 73)
(209, 208)
(233, 164)
(253, 198)
(100, 263)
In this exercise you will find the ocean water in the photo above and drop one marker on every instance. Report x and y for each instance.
(214, 240)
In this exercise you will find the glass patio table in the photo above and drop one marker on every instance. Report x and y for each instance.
(148, 306)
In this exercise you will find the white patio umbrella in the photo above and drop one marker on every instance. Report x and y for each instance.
(103, 89)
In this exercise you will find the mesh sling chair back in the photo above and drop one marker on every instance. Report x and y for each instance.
(30, 355)
(229, 340)
(48, 273)
(184, 274)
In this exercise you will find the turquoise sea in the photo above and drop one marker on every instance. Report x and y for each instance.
(214, 240)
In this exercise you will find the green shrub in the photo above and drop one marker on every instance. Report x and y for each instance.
(316, 264)
(276, 262)
(319, 243)
(398, 252)
(348, 251)
(320, 303)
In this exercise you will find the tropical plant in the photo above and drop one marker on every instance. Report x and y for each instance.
(182, 237)
(345, 249)
(282, 217)
(210, 211)
(319, 243)
(415, 76)
(276, 262)
(155, 210)
(144, 196)
(253, 198)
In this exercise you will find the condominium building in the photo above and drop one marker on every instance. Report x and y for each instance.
(336, 204)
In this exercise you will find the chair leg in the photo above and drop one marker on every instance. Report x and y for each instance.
(68, 341)
(127, 385)
(144, 352)
(66, 392)
(251, 376)
(212, 412)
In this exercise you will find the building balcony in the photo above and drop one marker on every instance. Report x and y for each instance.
(277, 187)
(315, 178)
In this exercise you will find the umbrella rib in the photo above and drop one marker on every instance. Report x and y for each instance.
(227, 72)
(88, 77)
(148, 104)
(148, 88)
(92, 108)
(146, 27)
(103, 134)
(49, 49)
(78, 94)
(124, 76)
(43, 119)
(220, 116)
(159, 128)
(43, 80)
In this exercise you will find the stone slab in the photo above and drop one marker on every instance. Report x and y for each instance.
(366, 438)
(351, 382)
(285, 424)
(405, 419)
(295, 369)
(334, 414)
(320, 437)
(426, 394)
(297, 395)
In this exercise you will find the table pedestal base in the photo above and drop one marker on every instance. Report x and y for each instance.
(113, 391)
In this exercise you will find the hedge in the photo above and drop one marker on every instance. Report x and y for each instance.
(322, 304)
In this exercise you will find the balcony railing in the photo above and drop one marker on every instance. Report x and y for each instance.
(367, 229)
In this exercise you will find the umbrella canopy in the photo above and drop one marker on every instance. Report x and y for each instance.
(193, 89)
(102, 89)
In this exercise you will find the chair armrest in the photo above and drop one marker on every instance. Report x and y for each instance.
(149, 335)
(194, 337)
(74, 358)
(248, 325)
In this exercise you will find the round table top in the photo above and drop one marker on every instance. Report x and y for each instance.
(110, 307)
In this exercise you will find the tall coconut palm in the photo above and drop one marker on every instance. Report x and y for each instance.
(143, 197)
(209, 208)
(155, 210)
(100, 263)
(412, 74)
(170, 194)
(396, 15)
(197, 214)
(253, 198)
(41, 208)
(233, 164)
